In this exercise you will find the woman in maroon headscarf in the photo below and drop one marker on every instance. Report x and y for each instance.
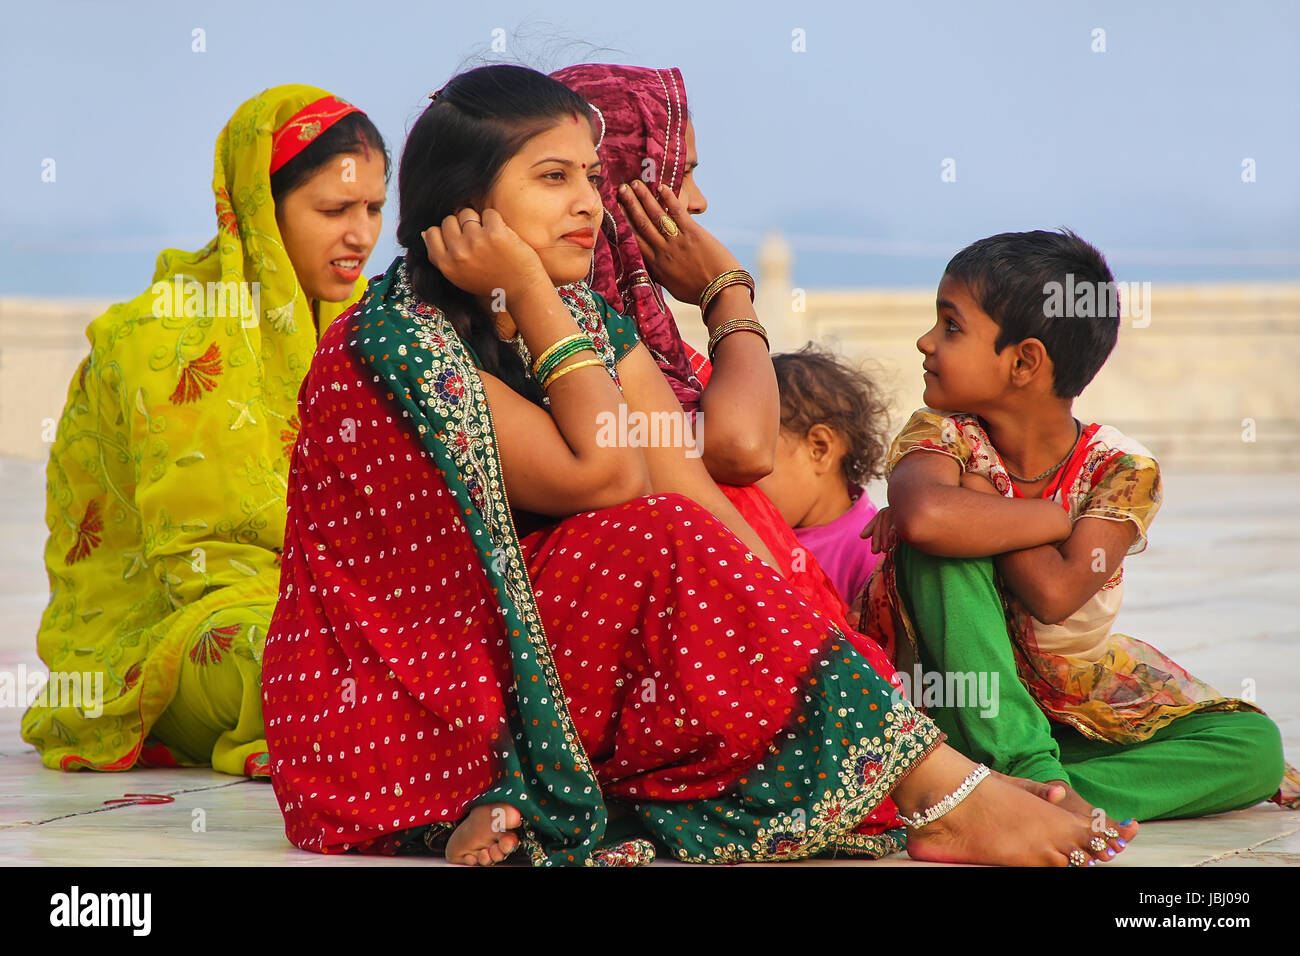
(647, 147)
(649, 143)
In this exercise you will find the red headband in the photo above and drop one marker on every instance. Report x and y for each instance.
(304, 126)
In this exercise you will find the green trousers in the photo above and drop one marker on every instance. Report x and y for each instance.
(1195, 765)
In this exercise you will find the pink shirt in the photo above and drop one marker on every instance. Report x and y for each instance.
(844, 555)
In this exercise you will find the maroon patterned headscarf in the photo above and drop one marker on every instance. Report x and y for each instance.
(642, 113)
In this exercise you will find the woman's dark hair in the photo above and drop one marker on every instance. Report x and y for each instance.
(453, 155)
(817, 388)
(354, 134)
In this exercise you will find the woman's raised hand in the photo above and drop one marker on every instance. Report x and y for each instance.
(685, 263)
(481, 254)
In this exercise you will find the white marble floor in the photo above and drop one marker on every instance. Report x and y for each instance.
(1218, 589)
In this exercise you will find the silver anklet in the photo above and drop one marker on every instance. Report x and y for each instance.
(948, 802)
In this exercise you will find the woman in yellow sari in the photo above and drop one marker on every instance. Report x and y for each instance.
(166, 481)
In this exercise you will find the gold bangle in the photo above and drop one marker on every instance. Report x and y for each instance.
(555, 347)
(729, 278)
(561, 372)
(565, 352)
(736, 325)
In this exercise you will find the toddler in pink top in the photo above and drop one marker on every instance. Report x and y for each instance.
(834, 435)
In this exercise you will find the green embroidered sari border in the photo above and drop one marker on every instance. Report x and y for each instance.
(414, 348)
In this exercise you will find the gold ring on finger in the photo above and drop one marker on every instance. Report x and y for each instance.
(1097, 845)
(668, 227)
(1111, 833)
(1078, 858)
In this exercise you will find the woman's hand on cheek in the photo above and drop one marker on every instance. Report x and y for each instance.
(479, 253)
(687, 262)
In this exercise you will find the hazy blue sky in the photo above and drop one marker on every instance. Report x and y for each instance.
(1139, 148)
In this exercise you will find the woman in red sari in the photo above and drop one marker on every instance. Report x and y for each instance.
(497, 629)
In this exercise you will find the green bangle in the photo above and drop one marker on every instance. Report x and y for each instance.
(557, 344)
(566, 350)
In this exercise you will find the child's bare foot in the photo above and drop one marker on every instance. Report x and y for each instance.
(484, 837)
(998, 822)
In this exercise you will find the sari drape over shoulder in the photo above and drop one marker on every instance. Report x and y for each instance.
(425, 659)
(166, 481)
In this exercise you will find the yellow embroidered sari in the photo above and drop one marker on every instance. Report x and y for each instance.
(166, 489)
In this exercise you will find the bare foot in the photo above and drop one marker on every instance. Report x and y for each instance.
(1053, 792)
(1061, 794)
(1096, 817)
(998, 822)
(484, 837)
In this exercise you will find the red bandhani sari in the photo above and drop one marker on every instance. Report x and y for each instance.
(424, 659)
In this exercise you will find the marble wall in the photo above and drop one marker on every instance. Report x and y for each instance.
(1208, 376)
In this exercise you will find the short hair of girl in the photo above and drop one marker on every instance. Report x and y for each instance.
(454, 153)
(819, 388)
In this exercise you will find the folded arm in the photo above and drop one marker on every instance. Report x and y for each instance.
(554, 464)
(1053, 582)
(933, 513)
